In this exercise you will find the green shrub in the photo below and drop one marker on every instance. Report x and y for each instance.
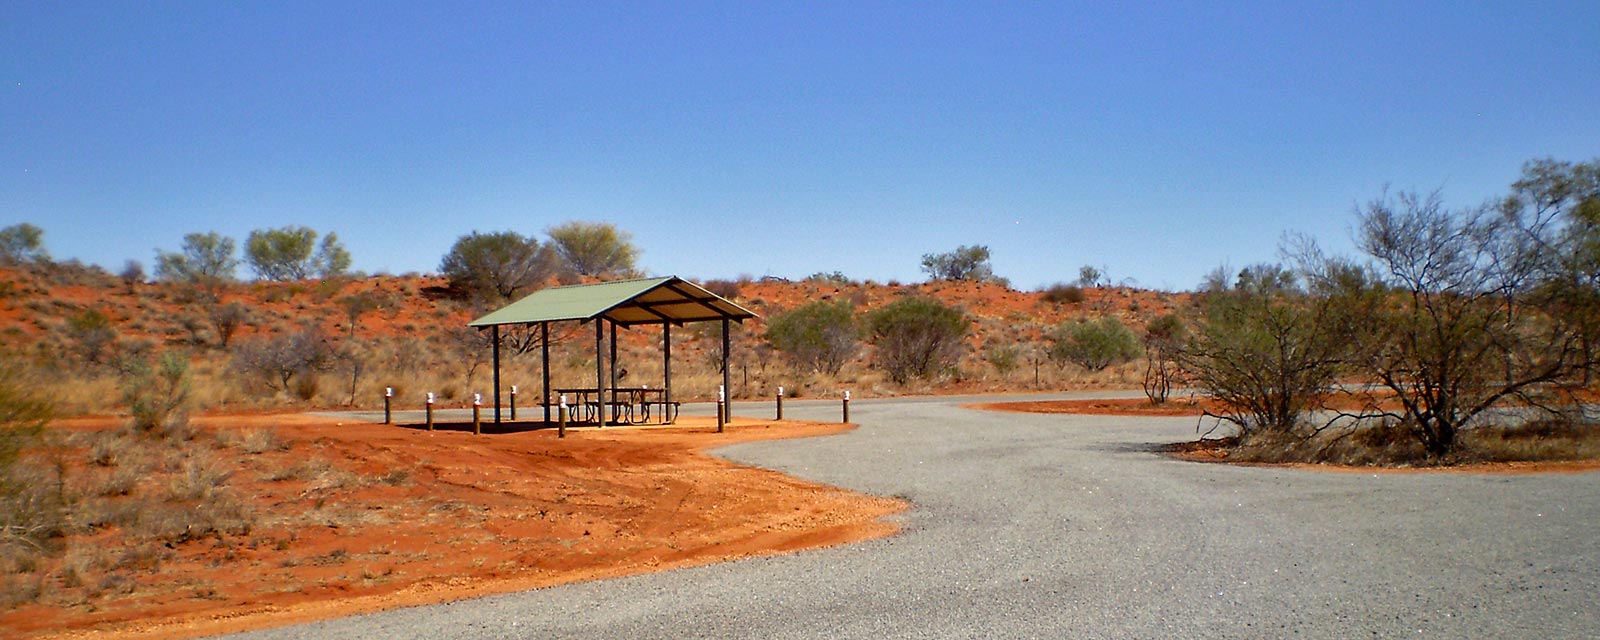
(1061, 293)
(1095, 345)
(157, 397)
(821, 336)
(917, 337)
(1005, 358)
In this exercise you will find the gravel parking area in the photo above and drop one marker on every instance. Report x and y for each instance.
(1071, 526)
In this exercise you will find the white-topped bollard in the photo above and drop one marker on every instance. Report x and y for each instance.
(846, 406)
(780, 403)
(430, 411)
(388, 396)
(477, 408)
(722, 403)
(561, 417)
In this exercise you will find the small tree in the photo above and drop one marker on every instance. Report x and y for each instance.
(356, 305)
(21, 243)
(278, 360)
(92, 336)
(158, 396)
(1091, 276)
(1265, 350)
(1004, 357)
(499, 265)
(1164, 339)
(820, 335)
(1095, 345)
(594, 249)
(965, 263)
(916, 337)
(292, 253)
(132, 274)
(1459, 326)
(226, 319)
(207, 259)
(1563, 200)
(332, 259)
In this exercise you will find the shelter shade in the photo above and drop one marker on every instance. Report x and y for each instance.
(624, 302)
(665, 301)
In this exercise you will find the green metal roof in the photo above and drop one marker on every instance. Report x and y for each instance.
(625, 302)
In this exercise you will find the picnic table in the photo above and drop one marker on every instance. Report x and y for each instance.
(631, 405)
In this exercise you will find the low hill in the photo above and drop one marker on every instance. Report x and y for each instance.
(79, 329)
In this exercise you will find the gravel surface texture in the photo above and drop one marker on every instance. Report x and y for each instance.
(1050, 526)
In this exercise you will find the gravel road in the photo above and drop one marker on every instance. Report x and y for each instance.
(1050, 526)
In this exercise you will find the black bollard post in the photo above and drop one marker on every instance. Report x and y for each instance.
(513, 403)
(846, 406)
(388, 395)
(430, 411)
(780, 403)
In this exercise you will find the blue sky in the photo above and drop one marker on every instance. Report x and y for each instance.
(1158, 140)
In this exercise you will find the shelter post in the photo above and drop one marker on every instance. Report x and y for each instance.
(494, 334)
(666, 364)
(727, 372)
(600, 368)
(614, 369)
(544, 337)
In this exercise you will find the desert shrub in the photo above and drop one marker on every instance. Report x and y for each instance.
(22, 243)
(498, 266)
(594, 249)
(1092, 276)
(1062, 293)
(277, 361)
(132, 274)
(292, 253)
(916, 337)
(91, 335)
(1005, 358)
(836, 278)
(820, 336)
(1264, 349)
(31, 504)
(227, 318)
(965, 263)
(1462, 310)
(726, 288)
(1164, 339)
(1094, 345)
(158, 396)
(207, 259)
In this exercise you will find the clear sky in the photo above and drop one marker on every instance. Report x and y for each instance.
(1158, 140)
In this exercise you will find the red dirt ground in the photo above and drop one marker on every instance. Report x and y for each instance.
(475, 515)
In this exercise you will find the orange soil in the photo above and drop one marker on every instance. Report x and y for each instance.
(477, 515)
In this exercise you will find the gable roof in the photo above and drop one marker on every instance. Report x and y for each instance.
(625, 302)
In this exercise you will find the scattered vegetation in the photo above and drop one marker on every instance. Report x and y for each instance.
(292, 253)
(1094, 345)
(818, 336)
(207, 259)
(917, 337)
(970, 264)
(1060, 293)
(22, 243)
(498, 266)
(595, 249)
